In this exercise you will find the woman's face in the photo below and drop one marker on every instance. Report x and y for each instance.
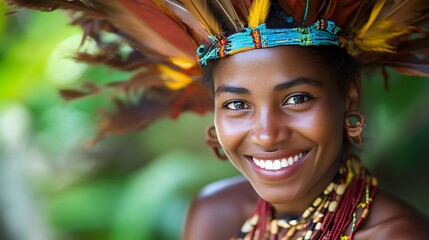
(279, 117)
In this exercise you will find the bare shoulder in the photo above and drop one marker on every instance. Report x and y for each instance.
(220, 209)
(391, 218)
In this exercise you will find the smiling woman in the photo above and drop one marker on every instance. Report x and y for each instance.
(284, 80)
(286, 110)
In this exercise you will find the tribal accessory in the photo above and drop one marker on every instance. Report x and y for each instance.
(345, 201)
(354, 123)
(263, 37)
(157, 39)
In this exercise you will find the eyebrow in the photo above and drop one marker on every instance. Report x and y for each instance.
(296, 82)
(279, 87)
(230, 89)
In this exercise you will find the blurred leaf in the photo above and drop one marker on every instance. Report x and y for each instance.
(153, 190)
(86, 207)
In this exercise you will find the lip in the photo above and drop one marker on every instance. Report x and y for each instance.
(282, 173)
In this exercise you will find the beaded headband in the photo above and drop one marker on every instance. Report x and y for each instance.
(320, 33)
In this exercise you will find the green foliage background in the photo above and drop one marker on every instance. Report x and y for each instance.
(138, 185)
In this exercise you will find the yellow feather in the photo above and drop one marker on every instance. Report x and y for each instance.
(174, 79)
(375, 35)
(374, 14)
(258, 12)
(201, 11)
(183, 63)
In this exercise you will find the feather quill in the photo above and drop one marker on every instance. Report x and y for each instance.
(195, 28)
(201, 11)
(228, 11)
(258, 12)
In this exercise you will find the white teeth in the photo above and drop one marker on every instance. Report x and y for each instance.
(277, 163)
(290, 161)
(284, 162)
(262, 164)
(256, 161)
(269, 165)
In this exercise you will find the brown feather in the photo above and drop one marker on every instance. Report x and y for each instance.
(228, 12)
(194, 27)
(285, 7)
(340, 11)
(408, 64)
(422, 21)
(415, 46)
(89, 90)
(164, 25)
(242, 7)
(298, 9)
(202, 12)
(403, 11)
(160, 103)
(94, 10)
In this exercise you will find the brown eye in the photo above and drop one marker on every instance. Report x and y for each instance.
(237, 105)
(297, 99)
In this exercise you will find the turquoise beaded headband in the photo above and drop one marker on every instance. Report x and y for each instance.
(320, 33)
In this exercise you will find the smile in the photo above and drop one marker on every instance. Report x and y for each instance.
(278, 164)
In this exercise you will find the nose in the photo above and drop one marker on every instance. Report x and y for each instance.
(270, 129)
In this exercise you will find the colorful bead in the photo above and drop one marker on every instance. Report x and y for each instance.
(326, 214)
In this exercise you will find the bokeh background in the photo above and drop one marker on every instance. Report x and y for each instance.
(139, 185)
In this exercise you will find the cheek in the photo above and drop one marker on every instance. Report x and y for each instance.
(231, 132)
(324, 125)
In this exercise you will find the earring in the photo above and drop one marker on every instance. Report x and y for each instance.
(355, 122)
(213, 142)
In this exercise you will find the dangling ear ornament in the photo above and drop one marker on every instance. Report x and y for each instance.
(354, 123)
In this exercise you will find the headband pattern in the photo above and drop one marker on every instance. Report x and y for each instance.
(263, 37)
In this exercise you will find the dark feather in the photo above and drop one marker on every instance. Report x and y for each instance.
(408, 64)
(89, 90)
(340, 11)
(242, 7)
(158, 103)
(415, 46)
(195, 28)
(201, 11)
(228, 14)
(299, 13)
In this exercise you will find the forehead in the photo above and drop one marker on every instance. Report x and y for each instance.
(272, 64)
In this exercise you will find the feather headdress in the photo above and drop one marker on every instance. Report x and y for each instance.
(164, 34)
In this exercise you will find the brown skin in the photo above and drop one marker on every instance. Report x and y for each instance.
(260, 114)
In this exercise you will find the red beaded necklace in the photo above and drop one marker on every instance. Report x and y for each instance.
(344, 202)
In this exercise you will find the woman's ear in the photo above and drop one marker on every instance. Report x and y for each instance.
(353, 94)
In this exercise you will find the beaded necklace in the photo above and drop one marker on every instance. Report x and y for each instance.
(344, 202)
